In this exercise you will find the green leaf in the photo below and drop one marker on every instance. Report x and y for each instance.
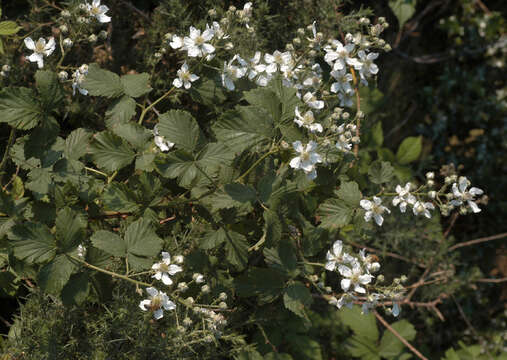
(265, 99)
(241, 193)
(409, 150)
(377, 134)
(141, 243)
(40, 141)
(380, 172)
(76, 290)
(403, 10)
(266, 283)
(136, 85)
(100, 82)
(208, 92)
(305, 347)
(110, 152)
(120, 111)
(296, 298)
(179, 127)
(364, 325)
(287, 96)
(236, 247)
(272, 228)
(19, 108)
(32, 242)
(335, 213)
(39, 180)
(49, 88)
(362, 348)
(349, 192)
(109, 242)
(119, 197)
(390, 345)
(277, 356)
(9, 28)
(179, 164)
(76, 144)
(70, 229)
(212, 239)
(244, 128)
(52, 277)
(135, 134)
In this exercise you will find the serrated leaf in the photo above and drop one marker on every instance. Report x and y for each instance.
(179, 164)
(268, 284)
(296, 298)
(207, 92)
(272, 228)
(32, 242)
(362, 348)
(364, 325)
(9, 28)
(109, 242)
(76, 144)
(377, 134)
(305, 347)
(236, 247)
(244, 128)
(287, 97)
(409, 150)
(70, 229)
(212, 239)
(50, 89)
(136, 85)
(39, 180)
(111, 152)
(40, 141)
(349, 192)
(52, 277)
(380, 172)
(403, 10)
(76, 290)
(135, 134)
(141, 241)
(240, 193)
(97, 257)
(335, 213)
(265, 99)
(19, 108)
(120, 111)
(100, 82)
(179, 127)
(390, 345)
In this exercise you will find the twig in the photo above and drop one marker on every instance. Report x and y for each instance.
(483, 7)
(401, 338)
(163, 221)
(477, 241)
(386, 253)
(486, 280)
(454, 217)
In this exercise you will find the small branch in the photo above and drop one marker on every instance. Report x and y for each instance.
(386, 253)
(454, 217)
(401, 338)
(477, 241)
(485, 280)
(239, 179)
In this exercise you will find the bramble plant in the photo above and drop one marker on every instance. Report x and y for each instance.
(250, 183)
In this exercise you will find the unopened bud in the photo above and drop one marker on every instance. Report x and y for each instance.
(387, 48)
(65, 13)
(380, 278)
(157, 55)
(312, 53)
(103, 34)
(296, 41)
(182, 286)
(63, 75)
(432, 194)
(190, 300)
(64, 29)
(82, 6)
(180, 329)
(284, 144)
(229, 46)
(289, 47)
(364, 21)
(67, 43)
(222, 296)
(222, 305)
(328, 289)
(81, 19)
(212, 12)
(187, 322)
(345, 116)
(430, 183)
(92, 38)
(301, 31)
(205, 289)
(232, 8)
(178, 259)
(199, 278)
(430, 175)
(6, 68)
(349, 37)
(403, 278)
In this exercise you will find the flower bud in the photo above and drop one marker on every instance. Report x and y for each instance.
(81, 20)
(190, 300)
(328, 289)
(92, 38)
(6, 68)
(312, 53)
(345, 116)
(301, 31)
(187, 321)
(178, 259)
(387, 48)
(403, 278)
(454, 178)
(432, 194)
(430, 175)
(205, 289)
(83, 69)
(375, 267)
(222, 296)
(232, 8)
(182, 286)
(65, 13)
(63, 75)
(284, 144)
(349, 37)
(199, 278)
(103, 34)
(229, 46)
(289, 47)
(82, 6)
(364, 21)
(67, 43)
(381, 20)
(296, 41)
(380, 278)
(157, 55)
(64, 29)
(180, 329)
(168, 36)
(385, 25)
(212, 12)
(430, 183)
(222, 305)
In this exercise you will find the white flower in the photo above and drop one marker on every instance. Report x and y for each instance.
(343, 81)
(354, 277)
(165, 268)
(277, 60)
(257, 70)
(196, 44)
(177, 42)
(368, 68)
(423, 208)
(336, 256)
(99, 11)
(461, 195)
(374, 209)
(346, 299)
(404, 197)
(346, 100)
(314, 80)
(311, 100)
(77, 79)
(338, 57)
(307, 121)
(233, 72)
(160, 141)
(307, 158)
(199, 278)
(185, 78)
(218, 31)
(370, 265)
(40, 49)
(157, 302)
(396, 309)
(81, 251)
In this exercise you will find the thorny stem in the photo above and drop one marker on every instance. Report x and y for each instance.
(255, 164)
(143, 113)
(12, 136)
(358, 101)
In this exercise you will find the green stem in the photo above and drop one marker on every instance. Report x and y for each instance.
(312, 263)
(96, 171)
(12, 136)
(239, 179)
(111, 178)
(143, 113)
(113, 274)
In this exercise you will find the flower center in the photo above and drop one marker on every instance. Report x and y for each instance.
(39, 47)
(305, 156)
(377, 209)
(199, 40)
(164, 267)
(95, 10)
(308, 118)
(156, 302)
